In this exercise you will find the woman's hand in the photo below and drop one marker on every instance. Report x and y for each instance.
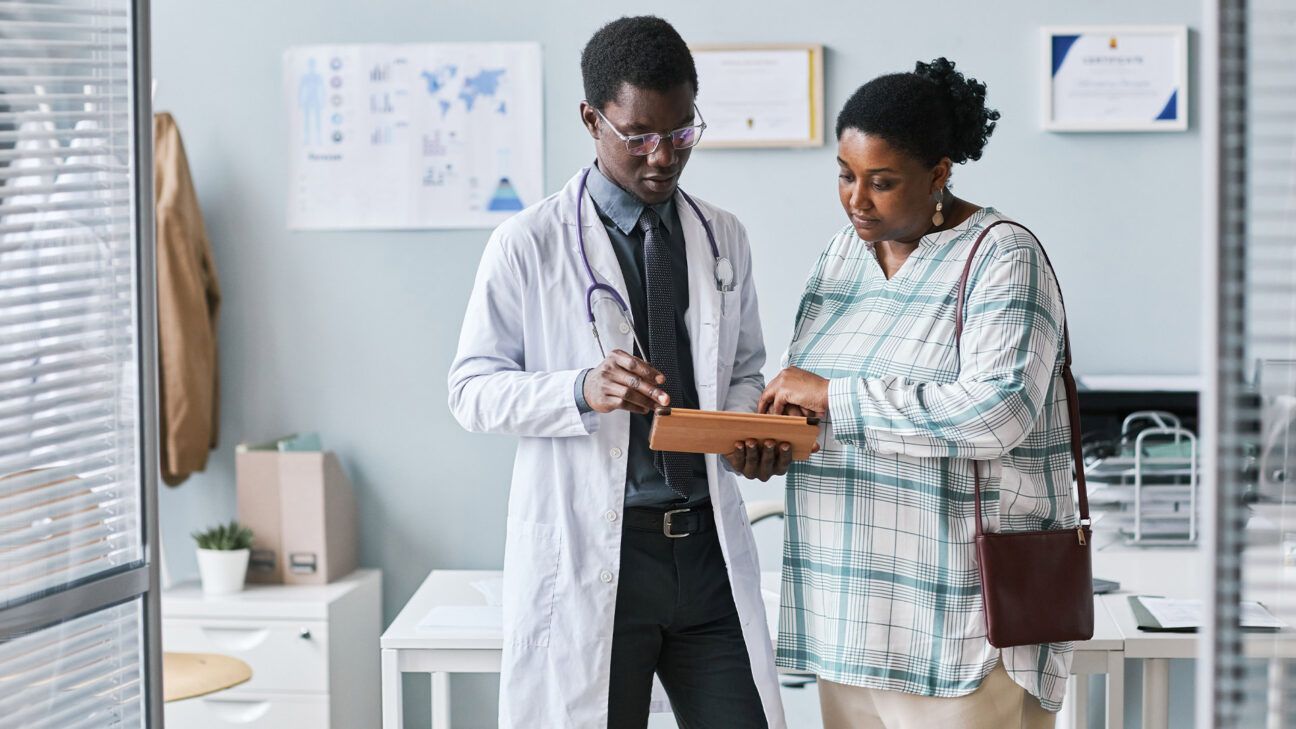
(794, 387)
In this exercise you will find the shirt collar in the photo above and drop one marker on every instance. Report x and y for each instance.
(622, 208)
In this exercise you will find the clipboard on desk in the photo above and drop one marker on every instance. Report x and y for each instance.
(1163, 615)
(682, 430)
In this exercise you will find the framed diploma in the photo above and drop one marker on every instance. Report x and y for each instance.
(761, 95)
(1116, 78)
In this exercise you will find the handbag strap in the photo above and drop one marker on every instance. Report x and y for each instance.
(1068, 380)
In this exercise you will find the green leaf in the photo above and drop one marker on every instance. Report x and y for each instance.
(224, 537)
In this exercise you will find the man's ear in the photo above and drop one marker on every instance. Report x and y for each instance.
(589, 117)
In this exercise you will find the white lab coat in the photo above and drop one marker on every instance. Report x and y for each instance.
(525, 339)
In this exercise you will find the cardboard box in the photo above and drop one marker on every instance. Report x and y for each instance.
(301, 509)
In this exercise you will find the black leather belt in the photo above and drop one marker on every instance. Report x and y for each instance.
(673, 523)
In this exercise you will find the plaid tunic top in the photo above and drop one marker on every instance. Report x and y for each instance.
(880, 585)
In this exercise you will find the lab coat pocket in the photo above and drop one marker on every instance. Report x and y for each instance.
(532, 553)
(730, 324)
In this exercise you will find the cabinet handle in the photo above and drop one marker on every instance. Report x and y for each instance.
(235, 639)
(304, 634)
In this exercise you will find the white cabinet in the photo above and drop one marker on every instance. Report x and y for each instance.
(313, 650)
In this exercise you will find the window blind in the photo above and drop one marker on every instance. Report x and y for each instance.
(1249, 676)
(78, 624)
(69, 403)
(85, 673)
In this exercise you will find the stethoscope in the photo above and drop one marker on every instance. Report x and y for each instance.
(724, 273)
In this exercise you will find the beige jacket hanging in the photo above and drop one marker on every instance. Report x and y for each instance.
(188, 299)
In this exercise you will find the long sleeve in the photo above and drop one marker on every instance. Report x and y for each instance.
(491, 389)
(746, 383)
(1010, 347)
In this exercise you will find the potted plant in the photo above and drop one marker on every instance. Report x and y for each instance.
(223, 557)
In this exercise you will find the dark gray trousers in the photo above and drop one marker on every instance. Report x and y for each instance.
(675, 617)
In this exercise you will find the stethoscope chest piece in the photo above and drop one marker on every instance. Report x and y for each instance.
(724, 275)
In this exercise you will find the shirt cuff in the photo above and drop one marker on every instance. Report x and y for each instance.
(843, 409)
(579, 393)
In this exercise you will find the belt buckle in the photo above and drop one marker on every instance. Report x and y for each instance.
(666, 523)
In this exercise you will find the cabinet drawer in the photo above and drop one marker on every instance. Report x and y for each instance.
(249, 710)
(284, 655)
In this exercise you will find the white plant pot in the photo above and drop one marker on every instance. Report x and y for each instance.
(222, 571)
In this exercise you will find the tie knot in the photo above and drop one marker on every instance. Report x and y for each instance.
(648, 220)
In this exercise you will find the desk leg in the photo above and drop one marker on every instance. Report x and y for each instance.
(1075, 707)
(440, 700)
(392, 708)
(1156, 693)
(1116, 690)
(1279, 678)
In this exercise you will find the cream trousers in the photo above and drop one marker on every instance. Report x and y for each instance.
(999, 703)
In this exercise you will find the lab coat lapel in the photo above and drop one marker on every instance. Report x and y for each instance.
(703, 316)
(612, 327)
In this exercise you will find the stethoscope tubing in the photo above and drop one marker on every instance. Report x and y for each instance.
(595, 285)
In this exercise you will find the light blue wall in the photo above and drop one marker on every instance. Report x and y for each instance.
(351, 333)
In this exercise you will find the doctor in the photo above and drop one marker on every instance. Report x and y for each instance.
(619, 294)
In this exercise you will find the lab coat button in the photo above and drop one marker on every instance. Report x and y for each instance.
(605, 576)
(625, 328)
(610, 516)
(615, 453)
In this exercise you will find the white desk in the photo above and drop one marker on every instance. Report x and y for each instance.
(1104, 653)
(407, 649)
(1180, 573)
(1165, 571)
(440, 652)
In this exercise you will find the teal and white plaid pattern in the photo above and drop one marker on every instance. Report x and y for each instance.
(880, 584)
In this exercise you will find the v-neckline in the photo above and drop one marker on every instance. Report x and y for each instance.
(899, 272)
(929, 239)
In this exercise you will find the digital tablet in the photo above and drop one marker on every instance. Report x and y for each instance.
(682, 430)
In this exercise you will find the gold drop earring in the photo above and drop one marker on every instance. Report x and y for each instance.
(939, 217)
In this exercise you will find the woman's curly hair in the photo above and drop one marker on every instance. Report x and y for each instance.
(932, 113)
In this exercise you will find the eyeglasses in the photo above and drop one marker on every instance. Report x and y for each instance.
(642, 145)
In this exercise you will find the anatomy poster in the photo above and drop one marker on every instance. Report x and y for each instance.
(441, 135)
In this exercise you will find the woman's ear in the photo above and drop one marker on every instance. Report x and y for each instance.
(941, 175)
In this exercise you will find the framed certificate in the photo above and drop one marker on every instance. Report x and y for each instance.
(1115, 78)
(761, 95)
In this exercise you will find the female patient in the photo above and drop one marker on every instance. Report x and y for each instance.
(881, 597)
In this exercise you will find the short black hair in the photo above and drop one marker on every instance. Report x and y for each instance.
(644, 51)
(931, 113)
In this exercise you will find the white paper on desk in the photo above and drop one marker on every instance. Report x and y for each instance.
(1254, 615)
(1172, 613)
(481, 617)
(492, 590)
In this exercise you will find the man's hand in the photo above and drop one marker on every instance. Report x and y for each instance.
(760, 459)
(625, 382)
(795, 387)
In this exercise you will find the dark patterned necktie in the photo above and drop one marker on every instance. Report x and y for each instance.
(664, 354)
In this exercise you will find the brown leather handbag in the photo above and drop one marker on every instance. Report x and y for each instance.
(1037, 587)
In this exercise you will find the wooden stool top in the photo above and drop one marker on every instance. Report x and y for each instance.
(186, 675)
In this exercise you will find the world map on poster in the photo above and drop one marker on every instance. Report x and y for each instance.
(413, 135)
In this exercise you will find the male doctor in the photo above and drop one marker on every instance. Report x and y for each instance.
(621, 562)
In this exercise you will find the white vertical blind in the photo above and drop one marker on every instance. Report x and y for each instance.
(71, 529)
(1255, 547)
(81, 674)
(69, 455)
